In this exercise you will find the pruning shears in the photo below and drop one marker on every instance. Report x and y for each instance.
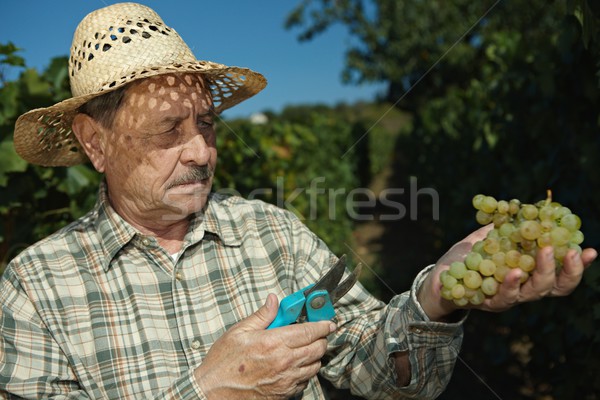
(315, 302)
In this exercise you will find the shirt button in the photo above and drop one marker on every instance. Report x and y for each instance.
(146, 242)
(179, 276)
(196, 344)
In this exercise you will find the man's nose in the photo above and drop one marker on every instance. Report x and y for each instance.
(196, 150)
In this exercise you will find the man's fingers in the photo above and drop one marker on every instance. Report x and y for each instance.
(570, 275)
(543, 278)
(308, 371)
(544, 281)
(508, 292)
(310, 353)
(588, 256)
(300, 335)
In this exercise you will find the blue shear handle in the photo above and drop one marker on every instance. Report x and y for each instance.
(289, 309)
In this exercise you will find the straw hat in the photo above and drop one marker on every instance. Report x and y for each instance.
(111, 47)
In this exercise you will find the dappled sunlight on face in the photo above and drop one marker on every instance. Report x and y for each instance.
(162, 137)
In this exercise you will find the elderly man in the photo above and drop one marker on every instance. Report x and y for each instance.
(164, 289)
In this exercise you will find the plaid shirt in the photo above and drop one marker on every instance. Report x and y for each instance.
(98, 310)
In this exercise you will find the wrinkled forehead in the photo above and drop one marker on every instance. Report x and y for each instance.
(163, 92)
(186, 83)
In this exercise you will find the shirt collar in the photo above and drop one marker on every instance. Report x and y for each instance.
(218, 218)
(113, 230)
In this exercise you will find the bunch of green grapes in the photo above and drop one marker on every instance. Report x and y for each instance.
(519, 231)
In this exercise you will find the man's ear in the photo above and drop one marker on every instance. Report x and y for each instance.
(87, 131)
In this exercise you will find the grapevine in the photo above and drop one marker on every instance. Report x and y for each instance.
(519, 231)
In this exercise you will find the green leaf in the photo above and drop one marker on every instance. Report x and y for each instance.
(34, 83)
(9, 103)
(78, 178)
(9, 161)
(8, 50)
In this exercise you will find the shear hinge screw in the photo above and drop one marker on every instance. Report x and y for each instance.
(317, 302)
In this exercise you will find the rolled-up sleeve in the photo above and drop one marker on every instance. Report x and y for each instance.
(364, 348)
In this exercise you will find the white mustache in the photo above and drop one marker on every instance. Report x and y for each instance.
(194, 175)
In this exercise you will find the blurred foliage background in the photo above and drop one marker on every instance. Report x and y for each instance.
(494, 97)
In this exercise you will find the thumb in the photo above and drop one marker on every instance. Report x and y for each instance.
(263, 316)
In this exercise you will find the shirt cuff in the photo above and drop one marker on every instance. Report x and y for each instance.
(432, 345)
(185, 387)
(408, 319)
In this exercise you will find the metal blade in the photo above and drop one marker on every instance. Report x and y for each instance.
(345, 286)
(330, 280)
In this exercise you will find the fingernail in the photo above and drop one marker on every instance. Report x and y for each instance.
(517, 279)
(269, 302)
(332, 327)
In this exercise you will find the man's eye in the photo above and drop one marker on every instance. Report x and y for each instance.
(169, 130)
(205, 124)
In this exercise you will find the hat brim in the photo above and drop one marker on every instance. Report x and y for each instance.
(44, 136)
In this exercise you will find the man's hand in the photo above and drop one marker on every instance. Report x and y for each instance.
(543, 281)
(249, 362)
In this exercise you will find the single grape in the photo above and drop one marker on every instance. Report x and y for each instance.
(472, 279)
(461, 302)
(448, 280)
(544, 240)
(560, 236)
(489, 286)
(526, 262)
(570, 221)
(506, 244)
(529, 211)
(545, 213)
(514, 206)
(503, 207)
(516, 236)
(478, 247)
(491, 245)
(500, 219)
(477, 199)
(457, 269)
(512, 258)
(472, 260)
(506, 229)
(560, 212)
(477, 298)
(488, 204)
(576, 247)
(560, 252)
(447, 293)
(458, 291)
(487, 267)
(483, 218)
(499, 258)
(528, 245)
(501, 272)
(530, 230)
(577, 237)
(493, 234)
(547, 225)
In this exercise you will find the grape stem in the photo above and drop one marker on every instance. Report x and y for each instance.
(549, 196)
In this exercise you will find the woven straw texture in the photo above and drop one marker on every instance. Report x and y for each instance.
(111, 47)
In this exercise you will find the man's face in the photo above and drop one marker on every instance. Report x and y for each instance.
(162, 148)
